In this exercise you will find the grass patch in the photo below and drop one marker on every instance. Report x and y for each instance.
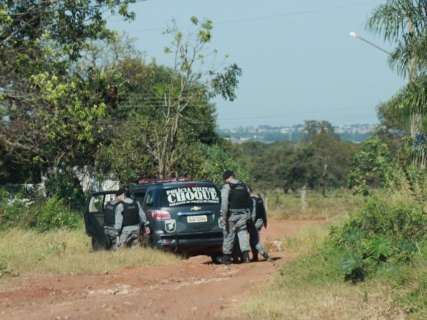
(289, 206)
(312, 287)
(67, 252)
(385, 241)
(331, 301)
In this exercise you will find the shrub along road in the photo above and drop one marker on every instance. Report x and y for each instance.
(185, 290)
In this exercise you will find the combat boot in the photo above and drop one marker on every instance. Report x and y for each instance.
(246, 257)
(226, 259)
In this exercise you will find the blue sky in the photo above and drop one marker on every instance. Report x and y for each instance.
(298, 60)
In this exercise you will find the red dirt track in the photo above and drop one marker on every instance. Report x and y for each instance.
(190, 289)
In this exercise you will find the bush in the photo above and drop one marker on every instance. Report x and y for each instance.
(14, 210)
(43, 215)
(53, 214)
(65, 185)
(373, 166)
(383, 232)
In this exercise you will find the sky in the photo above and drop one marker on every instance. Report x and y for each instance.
(298, 60)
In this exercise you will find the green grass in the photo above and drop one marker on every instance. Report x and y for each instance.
(313, 285)
(67, 252)
(289, 206)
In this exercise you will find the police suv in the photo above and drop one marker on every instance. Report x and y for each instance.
(184, 216)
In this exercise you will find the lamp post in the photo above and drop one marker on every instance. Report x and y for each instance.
(359, 37)
(415, 119)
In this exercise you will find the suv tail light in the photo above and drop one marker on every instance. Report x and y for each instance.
(160, 215)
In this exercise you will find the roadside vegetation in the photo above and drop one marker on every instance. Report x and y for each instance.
(334, 205)
(24, 252)
(373, 263)
(74, 95)
(48, 236)
(311, 287)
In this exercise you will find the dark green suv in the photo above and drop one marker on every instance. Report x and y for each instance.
(183, 214)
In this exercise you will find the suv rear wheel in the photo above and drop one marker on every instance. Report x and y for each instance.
(96, 245)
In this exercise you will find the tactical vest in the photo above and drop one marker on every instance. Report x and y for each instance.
(239, 197)
(109, 215)
(130, 214)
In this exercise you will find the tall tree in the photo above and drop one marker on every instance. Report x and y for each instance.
(192, 86)
(404, 23)
(49, 111)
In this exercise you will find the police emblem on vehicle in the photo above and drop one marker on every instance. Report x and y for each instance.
(170, 225)
(196, 208)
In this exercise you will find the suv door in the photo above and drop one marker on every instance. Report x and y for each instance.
(94, 218)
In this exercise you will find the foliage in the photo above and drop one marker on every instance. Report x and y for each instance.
(168, 109)
(315, 275)
(53, 214)
(16, 211)
(320, 161)
(372, 166)
(64, 184)
(383, 233)
(404, 23)
(384, 244)
(50, 110)
(396, 112)
(395, 115)
(217, 161)
(188, 92)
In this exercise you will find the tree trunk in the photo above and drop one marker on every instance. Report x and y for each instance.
(416, 118)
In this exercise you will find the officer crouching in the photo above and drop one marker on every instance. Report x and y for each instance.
(123, 220)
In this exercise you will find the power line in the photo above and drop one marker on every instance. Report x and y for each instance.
(278, 15)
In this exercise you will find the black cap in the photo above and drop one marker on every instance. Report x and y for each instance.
(227, 174)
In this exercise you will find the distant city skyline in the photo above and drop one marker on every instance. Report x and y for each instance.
(267, 134)
(299, 62)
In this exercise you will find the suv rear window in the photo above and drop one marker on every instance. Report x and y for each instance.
(189, 195)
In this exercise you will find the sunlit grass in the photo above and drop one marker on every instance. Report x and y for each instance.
(290, 206)
(67, 252)
(312, 287)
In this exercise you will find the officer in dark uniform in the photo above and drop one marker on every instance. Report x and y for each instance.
(123, 219)
(236, 207)
(257, 220)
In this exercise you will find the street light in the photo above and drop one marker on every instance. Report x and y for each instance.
(359, 37)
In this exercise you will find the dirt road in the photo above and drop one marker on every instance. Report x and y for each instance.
(191, 289)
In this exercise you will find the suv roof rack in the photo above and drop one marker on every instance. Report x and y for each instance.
(153, 181)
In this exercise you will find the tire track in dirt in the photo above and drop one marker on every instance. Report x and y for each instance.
(190, 289)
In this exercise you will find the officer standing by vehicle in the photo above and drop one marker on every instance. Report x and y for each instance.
(236, 207)
(258, 219)
(123, 219)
